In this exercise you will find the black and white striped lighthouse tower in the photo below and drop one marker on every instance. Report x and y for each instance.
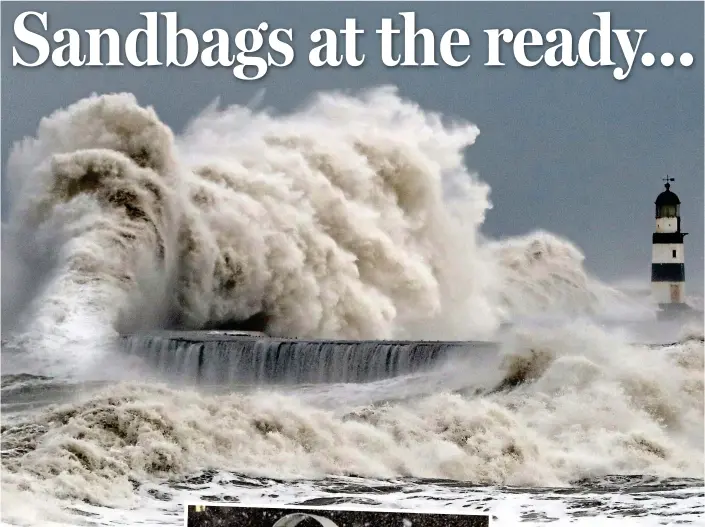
(667, 260)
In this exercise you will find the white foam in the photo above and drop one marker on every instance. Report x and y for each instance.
(589, 406)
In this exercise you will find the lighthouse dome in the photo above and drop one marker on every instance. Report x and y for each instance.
(667, 197)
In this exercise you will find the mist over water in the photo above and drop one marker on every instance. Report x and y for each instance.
(353, 217)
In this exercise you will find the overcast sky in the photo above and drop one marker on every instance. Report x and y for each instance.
(572, 151)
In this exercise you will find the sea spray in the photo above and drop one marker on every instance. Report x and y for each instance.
(354, 216)
(329, 220)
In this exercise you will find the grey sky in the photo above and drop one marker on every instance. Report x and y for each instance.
(572, 151)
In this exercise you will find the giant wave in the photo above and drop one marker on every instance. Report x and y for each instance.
(354, 217)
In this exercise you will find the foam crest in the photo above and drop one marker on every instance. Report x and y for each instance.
(543, 274)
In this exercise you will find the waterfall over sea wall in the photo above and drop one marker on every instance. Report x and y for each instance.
(218, 358)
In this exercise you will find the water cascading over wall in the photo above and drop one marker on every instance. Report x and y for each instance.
(225, 359)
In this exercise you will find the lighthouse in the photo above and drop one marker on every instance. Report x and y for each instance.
(667, 256)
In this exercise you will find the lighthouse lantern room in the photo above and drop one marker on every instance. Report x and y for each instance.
(667, 260)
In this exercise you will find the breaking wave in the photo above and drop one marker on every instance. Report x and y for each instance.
(351, 217)
(354, 217)
(564, 405)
